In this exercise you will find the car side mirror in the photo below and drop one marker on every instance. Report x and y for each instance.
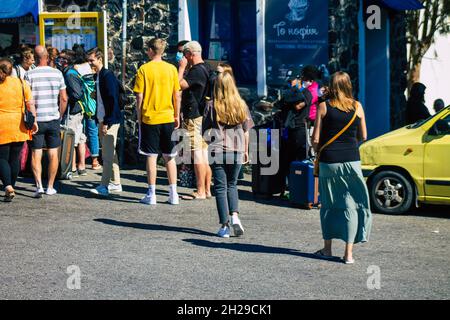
(441, 127)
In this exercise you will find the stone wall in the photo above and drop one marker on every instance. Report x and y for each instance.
(343, 37)
(146, 19)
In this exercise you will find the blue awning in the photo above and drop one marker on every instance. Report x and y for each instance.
(19, 8)
(401, 5)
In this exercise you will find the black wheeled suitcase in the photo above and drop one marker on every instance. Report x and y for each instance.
(266, 185)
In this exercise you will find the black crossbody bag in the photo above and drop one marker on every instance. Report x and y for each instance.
(28, 116)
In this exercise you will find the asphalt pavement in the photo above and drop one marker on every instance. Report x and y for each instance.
(76, 246)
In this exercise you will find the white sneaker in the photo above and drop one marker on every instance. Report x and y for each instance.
(51, 192)
(237, 225)
(39, 192)
(149, 199)
(114, 187)
(100, 191)
(174, 199)
(224, 232)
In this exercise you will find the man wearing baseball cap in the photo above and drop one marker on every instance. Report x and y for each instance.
(297, 103)
(194, 84)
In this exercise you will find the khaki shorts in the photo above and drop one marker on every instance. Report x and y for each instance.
(76, 124)
(194, 129)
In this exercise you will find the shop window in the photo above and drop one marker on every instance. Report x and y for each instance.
(228, 33)
(15, 32)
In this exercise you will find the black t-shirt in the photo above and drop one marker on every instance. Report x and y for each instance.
(299, 116)
(302, 114)
(345, 148)
(197, 78)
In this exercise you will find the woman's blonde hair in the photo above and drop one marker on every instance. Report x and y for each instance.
(230, 108)
(226, 67)
(341, 92)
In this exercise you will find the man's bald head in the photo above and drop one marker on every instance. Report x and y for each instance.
(41, 54)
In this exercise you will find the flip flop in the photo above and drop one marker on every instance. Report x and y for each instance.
(193, 196)
(322, 255)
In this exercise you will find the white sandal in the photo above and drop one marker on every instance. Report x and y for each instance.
(348, 261)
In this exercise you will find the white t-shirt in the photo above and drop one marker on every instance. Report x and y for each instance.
(22, 71)
(46, 84)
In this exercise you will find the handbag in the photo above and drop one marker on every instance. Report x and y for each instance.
(186, 176)
(316, 161)
(211, 129)
(28, 116)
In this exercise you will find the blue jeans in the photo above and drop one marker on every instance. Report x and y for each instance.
(225, 184)
(91, 128)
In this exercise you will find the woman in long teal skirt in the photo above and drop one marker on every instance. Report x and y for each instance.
(345, 212)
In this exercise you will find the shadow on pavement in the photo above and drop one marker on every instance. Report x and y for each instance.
(244, 183)
(142, 177)
(154, 227)
(81, 189)
(256, 248)
(275, 200)
(431, 211)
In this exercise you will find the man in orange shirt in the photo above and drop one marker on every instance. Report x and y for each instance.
(158, 108)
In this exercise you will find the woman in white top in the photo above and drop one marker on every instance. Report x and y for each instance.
(26, 63)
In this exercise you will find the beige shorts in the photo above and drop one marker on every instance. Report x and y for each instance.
(194, 129)
(76, 124)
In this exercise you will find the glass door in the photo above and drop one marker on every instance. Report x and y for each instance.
(228, 33)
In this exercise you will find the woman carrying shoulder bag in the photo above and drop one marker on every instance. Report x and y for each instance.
(339, 127)
(226, 126)
(15, 96)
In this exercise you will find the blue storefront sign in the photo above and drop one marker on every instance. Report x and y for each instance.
(296, 33)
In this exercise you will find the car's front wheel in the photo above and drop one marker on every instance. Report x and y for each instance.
(391, 193)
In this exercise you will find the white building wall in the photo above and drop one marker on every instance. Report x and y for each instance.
(435, 72)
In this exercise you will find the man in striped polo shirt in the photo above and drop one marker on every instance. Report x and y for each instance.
(48, 88)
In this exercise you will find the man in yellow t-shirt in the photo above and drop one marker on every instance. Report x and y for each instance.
(158, 98)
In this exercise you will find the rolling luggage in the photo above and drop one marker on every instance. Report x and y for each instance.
(303, 186)
(66, 153)
(265, 186)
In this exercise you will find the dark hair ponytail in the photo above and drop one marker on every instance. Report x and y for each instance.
(5, 69)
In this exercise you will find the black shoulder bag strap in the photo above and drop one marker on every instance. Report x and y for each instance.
(23, 98)
(205, 91)
(17, 71)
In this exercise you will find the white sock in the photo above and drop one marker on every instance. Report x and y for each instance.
(173, 189)
(151, 190)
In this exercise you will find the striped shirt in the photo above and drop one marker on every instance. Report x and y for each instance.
(45, 83)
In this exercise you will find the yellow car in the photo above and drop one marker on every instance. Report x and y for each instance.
(409, 166)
